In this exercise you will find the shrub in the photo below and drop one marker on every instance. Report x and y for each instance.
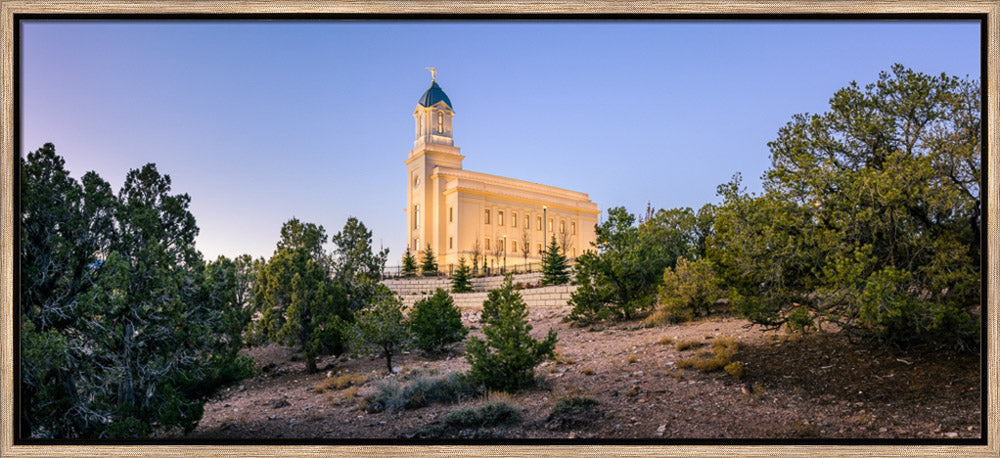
(689, 289)
(619, 277)
(339, 382)
(559, 358)
(394, 396)
(735, 369)
(382, 327)
(436, 322)
(689, 344)
(723, 350)
(573, 412)
(506, 360)
(489, 415)
(460, 281)
(666, 340)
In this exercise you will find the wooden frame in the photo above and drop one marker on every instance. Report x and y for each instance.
(991, 9)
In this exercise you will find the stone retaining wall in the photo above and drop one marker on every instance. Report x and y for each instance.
(549, 296)
(426, 285)
(414, 289)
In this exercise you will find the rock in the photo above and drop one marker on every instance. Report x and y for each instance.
(279, 403)
(572, 435)
(272, 417)
(661, 430)
(883, 429)
(951, 435)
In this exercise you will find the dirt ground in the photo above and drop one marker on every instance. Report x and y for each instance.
(811, 386)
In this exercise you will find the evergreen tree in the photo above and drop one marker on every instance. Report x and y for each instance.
(554, 268)
(436, 322)
(300, 303)
(382, 327)
(428, 266)
(356, 267)
(124, 328)
(409, 264)
(870, 217)
(460, 281)
(506, 360)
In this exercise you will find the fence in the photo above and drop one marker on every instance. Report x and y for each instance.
(478, 271)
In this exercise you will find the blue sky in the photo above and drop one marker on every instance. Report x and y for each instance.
(260, 121)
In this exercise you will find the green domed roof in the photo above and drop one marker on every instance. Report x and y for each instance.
(434, 95)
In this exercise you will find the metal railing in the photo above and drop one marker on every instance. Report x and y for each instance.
(478, 271)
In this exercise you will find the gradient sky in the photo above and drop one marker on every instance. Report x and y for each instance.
(260, 121)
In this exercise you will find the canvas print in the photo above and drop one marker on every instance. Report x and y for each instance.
(408, 231)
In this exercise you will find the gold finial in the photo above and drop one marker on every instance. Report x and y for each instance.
(433, 73)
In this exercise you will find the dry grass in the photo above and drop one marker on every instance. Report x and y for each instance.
(735, 369)
(723, 350)
(559, 358)
(336, 398)
(666, 340)
(339, 382)
(689, 344)
(803, 429)
(497, 396)
(631, 359)
(587, 371)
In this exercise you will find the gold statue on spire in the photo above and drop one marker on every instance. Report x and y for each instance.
(433, 73)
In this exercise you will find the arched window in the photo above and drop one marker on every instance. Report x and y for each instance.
(416, 216)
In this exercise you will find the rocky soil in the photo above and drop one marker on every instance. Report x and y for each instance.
(811, 386)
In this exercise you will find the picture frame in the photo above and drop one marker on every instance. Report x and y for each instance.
(10, 10)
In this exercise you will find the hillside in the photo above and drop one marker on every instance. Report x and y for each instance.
(811, 386)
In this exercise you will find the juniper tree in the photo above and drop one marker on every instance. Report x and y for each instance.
(300, 303)
(382, 327)
(356, 265)
(124, 329)
(870, 216)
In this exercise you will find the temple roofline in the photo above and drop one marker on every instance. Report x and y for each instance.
(510, 182)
